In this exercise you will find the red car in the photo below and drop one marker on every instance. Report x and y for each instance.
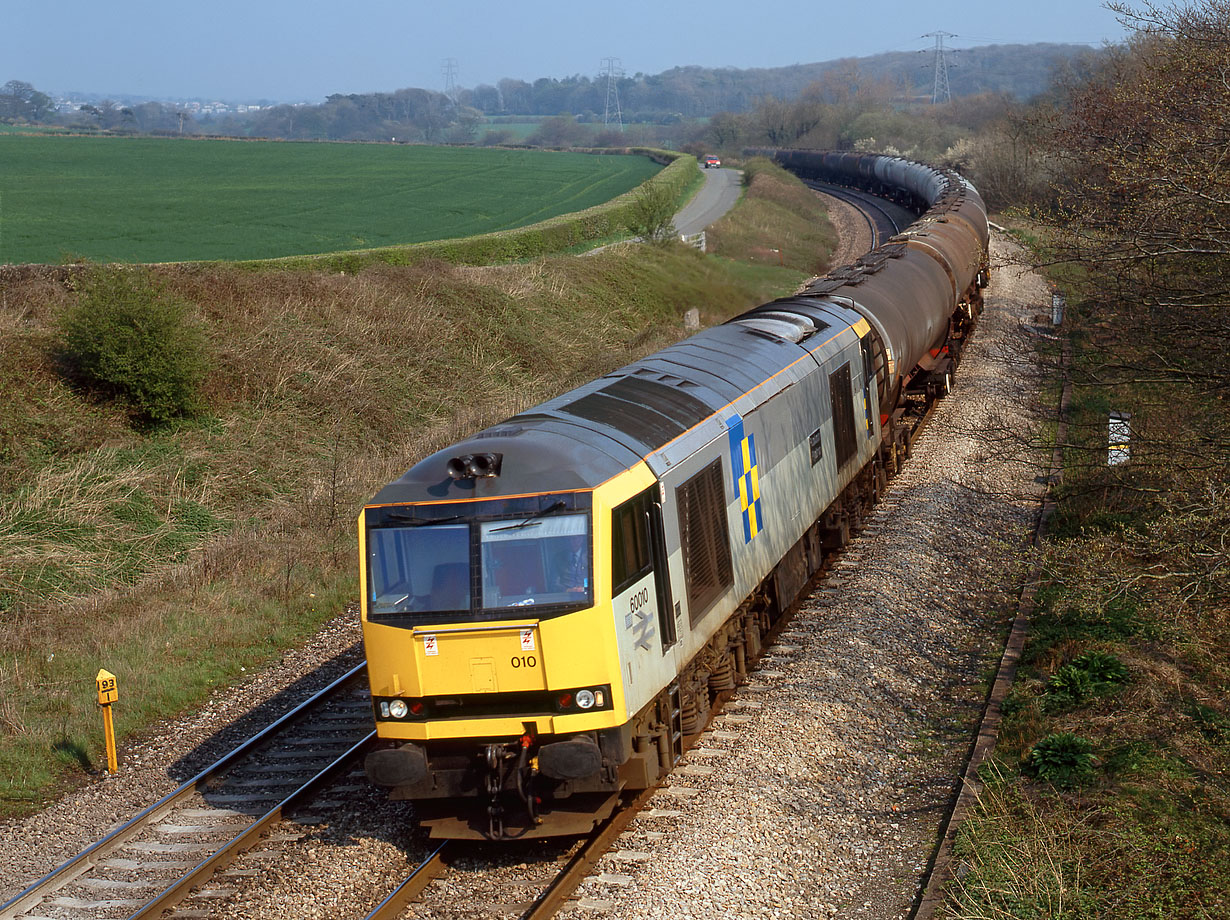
(713, 161)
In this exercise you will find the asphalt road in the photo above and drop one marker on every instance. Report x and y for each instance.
(717, 196)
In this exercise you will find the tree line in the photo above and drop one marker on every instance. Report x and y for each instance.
(672, 107)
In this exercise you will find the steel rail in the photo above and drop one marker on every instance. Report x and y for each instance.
(549, 903)
(863, 202)
(415, 884)
(87, 859)
(229, 851)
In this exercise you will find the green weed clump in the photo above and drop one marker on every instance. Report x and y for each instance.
(1089, 674)
(1063, 759)
(129, 339)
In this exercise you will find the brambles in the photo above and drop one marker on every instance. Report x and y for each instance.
(127, 338)
(1064, 759)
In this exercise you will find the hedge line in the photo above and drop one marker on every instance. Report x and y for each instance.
(556, 234)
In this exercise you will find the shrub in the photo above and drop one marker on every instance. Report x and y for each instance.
(127, 338)
(653, 214)
(1063, 759)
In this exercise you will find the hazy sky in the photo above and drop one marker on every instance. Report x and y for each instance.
(303, 50)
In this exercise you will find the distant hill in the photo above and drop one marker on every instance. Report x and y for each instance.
(1021, 71)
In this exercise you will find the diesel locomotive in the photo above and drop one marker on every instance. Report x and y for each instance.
(550, 606)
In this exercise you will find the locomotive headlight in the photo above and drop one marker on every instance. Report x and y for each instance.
(398, 709)
(585, 699)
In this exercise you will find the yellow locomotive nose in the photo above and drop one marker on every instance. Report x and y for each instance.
(478, 658)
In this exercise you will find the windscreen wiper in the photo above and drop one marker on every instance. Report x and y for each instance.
(529, 521)
(417, 521)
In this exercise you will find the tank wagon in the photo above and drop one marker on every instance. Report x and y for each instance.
(551, 606)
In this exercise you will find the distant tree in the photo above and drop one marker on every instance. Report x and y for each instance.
(558, 131)
(19, 101)
(465, 129)
(725, 130)
(486, 99)
(517, 96)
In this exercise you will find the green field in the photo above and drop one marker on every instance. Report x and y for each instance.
(166, 200)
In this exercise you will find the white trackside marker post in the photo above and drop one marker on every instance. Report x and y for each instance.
(1120, 436)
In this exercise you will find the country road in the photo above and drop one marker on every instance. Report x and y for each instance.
(717, 196)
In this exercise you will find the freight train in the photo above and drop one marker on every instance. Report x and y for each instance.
(551, 606)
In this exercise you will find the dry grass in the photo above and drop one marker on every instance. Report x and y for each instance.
(1137, 567)
(778, 221)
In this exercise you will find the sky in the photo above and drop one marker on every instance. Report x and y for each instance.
(305, 50)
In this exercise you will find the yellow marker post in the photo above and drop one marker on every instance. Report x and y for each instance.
(108, 693)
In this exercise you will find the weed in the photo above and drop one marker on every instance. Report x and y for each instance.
(1063, 759)
(1101, 667)
(1067, 686)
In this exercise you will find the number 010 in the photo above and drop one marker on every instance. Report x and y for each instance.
(524, 661)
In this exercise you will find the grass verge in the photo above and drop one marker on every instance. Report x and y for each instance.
(779, 221)
(1125, 667)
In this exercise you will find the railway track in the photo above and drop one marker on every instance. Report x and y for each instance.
(167, 854)
(884, 219)
(536, 881)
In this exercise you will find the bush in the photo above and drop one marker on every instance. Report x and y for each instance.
(1063, 759)
(653, 214)
(127, 338)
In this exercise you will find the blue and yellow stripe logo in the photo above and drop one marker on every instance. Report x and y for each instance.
(747, 478)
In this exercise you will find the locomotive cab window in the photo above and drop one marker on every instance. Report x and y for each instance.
(631, 559)
(419, 569)
(534, 562)
(430, 563)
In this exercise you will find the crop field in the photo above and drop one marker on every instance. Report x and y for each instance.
(167, 200)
